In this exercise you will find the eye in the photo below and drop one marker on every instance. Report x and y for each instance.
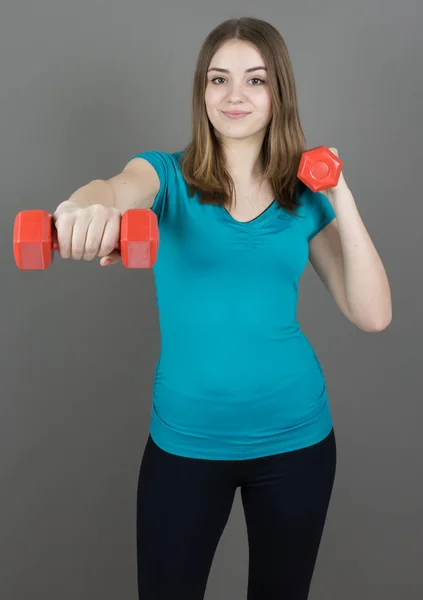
(253, 79)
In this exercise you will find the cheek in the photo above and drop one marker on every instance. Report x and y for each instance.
(264, 101)
(213, 96)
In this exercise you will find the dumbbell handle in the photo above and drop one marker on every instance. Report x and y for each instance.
(55, 242)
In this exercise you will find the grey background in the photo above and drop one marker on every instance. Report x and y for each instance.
(84, 86)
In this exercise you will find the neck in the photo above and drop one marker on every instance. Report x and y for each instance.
(243, 160)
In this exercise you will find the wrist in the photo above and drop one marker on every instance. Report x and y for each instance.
(340, 190)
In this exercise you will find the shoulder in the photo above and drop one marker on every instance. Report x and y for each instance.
(315, 210)
(172, 186)
(161, 159)
(307, 199)
(166, 164)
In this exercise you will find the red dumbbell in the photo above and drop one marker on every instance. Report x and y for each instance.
(319, 169)
(35, 239)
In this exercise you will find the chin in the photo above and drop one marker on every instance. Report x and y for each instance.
(225, 135)
(237, 133)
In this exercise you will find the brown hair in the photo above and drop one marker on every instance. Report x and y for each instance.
(202, 162)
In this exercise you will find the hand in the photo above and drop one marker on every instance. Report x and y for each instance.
(340, 186)
(88, 232)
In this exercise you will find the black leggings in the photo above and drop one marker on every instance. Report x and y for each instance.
(184, 505)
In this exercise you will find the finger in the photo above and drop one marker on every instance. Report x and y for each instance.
(111, 259)
(64, 227)
(93, 237)
(80, 230)
(110, 237)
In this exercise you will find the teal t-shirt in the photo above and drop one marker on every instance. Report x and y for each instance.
(236, 377)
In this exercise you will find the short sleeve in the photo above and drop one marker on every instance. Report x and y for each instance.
(165, 167)
(319, 212)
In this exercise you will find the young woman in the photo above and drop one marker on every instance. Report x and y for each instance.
(240, 399)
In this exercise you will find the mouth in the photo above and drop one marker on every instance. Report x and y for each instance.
(235, 114)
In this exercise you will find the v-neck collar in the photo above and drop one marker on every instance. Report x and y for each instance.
(225, 216)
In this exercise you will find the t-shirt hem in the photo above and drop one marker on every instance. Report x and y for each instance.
(295, 438)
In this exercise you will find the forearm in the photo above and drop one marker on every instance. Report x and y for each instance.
(97, 191)
(366, 283)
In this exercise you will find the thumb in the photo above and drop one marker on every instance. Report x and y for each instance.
(110, 259)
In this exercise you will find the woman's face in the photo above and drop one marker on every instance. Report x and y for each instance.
(240, 87)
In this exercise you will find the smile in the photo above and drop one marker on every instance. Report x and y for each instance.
(235, 114)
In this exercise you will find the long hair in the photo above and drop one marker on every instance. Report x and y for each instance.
(202, 162)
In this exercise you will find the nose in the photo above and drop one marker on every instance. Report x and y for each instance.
(235, 92)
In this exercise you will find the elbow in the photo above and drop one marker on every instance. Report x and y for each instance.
(376, 326)
(375, 320)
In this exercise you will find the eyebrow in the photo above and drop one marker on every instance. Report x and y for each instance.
(247, 70)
